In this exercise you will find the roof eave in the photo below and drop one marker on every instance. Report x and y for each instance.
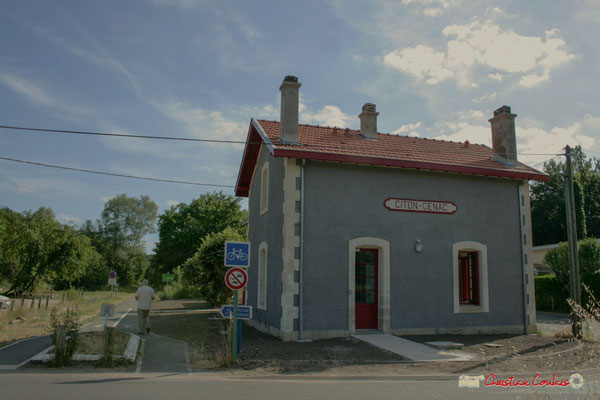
(255, 138)
(388, 162)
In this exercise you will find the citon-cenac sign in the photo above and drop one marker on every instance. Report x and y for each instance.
(422, 206)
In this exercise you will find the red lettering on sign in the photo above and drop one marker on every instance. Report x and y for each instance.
(424, 206)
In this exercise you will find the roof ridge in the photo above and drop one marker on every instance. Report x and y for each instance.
(417, 138)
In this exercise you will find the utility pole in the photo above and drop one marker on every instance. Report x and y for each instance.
(574, 279)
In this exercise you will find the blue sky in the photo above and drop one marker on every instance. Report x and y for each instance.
(202, 69)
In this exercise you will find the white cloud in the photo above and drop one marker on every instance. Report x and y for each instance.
(172, 203)
(530, 58)
(101, 56)
(185, 4)
(206, 124)
(535, 145)
(485, 97)
(105, 199)
(592, 120)
(326, 116)
(442, 3)
(422, 62)
(67, 219)
(27, 89)
(409, 129)
(432, 12)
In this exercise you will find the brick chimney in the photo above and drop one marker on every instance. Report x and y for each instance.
(504, 141)
(368, 121)
(289, 109)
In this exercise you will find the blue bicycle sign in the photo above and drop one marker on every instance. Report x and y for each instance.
(237, 254)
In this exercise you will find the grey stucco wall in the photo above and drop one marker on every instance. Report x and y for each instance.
(344, 202)
(267, 228)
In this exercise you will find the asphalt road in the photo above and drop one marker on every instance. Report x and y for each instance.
(551, 323)
(16, 354)
(217, 386)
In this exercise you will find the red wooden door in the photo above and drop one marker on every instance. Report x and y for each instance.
(365, 288)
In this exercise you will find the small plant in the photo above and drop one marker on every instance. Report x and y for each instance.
(588, 316)
(108, 359)
(70, 319)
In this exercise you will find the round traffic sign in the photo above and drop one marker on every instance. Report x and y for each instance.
(236, 278)
(112, 275)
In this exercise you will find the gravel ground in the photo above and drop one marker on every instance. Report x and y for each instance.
(264, 354)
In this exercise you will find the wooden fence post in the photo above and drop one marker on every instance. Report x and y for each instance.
(61, 341)
(39, 301)
(47, 300)
(22, 300)
(109, 337)
(32, 302)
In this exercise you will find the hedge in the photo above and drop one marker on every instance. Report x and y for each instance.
(552, 295)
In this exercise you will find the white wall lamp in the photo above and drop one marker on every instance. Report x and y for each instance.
(418, 246)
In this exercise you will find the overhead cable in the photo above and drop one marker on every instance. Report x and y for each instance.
(114, 174)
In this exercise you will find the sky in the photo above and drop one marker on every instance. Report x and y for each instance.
(203, 69)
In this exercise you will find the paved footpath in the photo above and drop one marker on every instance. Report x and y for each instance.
(16, 354)
(158, 353)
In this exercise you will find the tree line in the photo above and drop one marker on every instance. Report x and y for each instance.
(548, 213)
(37, 250)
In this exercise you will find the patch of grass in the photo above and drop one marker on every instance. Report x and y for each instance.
(35, 322)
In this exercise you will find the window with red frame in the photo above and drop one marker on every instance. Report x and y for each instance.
(468, 277)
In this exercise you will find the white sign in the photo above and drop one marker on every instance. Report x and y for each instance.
(244, 312)
(112, 281)
(421, 206)
(107, 310)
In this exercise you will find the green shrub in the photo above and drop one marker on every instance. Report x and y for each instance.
(176, 291)
(205, 269)
(589, 260)
(551, 294)
(70, 318)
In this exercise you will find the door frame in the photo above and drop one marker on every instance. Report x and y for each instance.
(383, 281)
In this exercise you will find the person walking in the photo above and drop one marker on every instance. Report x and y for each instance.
(144, 296)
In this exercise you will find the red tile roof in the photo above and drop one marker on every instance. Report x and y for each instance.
(346, 145)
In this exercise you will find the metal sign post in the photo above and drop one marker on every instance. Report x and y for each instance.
(237, 254)
(234, 328)
(107, 310)
(235, 279)
(112, 280)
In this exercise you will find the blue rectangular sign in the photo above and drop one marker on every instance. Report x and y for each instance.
(244, 312)
(237, 254)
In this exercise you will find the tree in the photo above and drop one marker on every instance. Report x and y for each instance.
(589, 263)
(125, 220)
(118, 235)
(548, 213)
(182, 227)
(34, 248)
(205, 269)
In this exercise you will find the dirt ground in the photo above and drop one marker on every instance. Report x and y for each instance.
(264, 354)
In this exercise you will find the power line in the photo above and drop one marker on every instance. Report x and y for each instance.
(121, 135)
(125, 135)
(113, 174)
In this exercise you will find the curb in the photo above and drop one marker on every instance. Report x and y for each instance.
(130, 353)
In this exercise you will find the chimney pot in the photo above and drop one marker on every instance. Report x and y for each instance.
(288, 125)
(368, 121)
(504, 141)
